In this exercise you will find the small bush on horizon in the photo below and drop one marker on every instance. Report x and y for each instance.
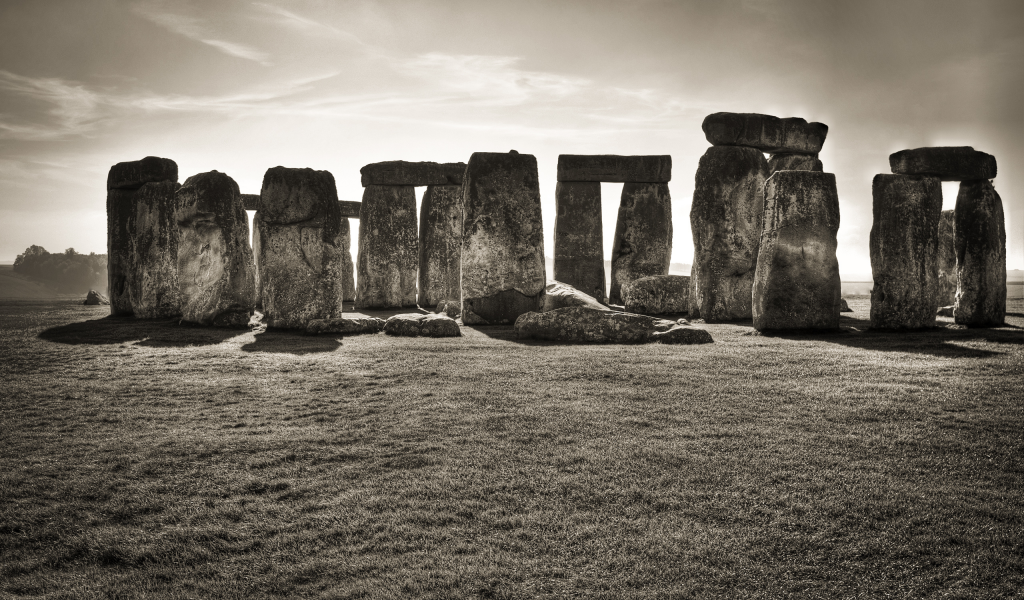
(69, 271)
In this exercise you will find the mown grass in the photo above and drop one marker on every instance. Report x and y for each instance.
(146, 459)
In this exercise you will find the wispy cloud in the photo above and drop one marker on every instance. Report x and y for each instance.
(195, 29)
(72, 109)
(309, 26)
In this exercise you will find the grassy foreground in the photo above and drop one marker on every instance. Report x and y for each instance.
(143, 459)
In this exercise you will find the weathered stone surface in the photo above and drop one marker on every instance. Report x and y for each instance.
(134, 174)
(451, 308)
(658, 295)
(560, 295)
(980, 239)
(350, 209)
(844, 306)
(796, 283)
(300, 265)
(589, 325)
(946, 277)
(503, 273)
(794, 162)
(764, 132)
(388, 247)
(904, 247)
(250, 201)
(420, 325)
(579, 237)
(440, 246)
(348, 268)
(948, 163)
(725, 218)
(154, 285)
(345, 326)
(216, 273)
(642, 245)
(94, 298)
(614, 168)
(945, 311)
(400, 172)
(120, 250)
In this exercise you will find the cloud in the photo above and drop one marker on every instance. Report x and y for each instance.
(311, 27)
(73, 109)
(194, 29)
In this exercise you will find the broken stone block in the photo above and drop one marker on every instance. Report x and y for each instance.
(388, 247)
(904, 247)
(400, 172)
(657, 295)
(440, 246)
(725, 218)
(794, 162)
(216, 273)
(560, 295)
(844, 306)
(980, 239)
(642, 245)
(946, 277)
(154, 286)
(345, 326)
(613, 168)
(579, 237)
(764, 132)
(948, 163)
(134, 174)
(503, 272)
(580, 324)
(796, 283)
(422, 325)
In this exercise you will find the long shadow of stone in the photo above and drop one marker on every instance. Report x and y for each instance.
(148, 332)
(292, 342)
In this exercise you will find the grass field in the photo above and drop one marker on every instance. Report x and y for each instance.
(143, 459)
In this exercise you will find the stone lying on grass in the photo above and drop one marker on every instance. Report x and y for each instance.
(559, 295)
(657, 295)
(451, 308)
(345, 326)
(94, 298)
(421, 325)
(843, 306)
(945, 311)
(588, 325)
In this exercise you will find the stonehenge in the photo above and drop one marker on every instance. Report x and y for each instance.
(154, 287)
(980, 239)
(579, 237)
(388, 248)
(642, 245)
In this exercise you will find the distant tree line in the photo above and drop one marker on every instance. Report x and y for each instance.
(69, 271)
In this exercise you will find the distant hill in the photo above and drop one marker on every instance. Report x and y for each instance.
(15, 286)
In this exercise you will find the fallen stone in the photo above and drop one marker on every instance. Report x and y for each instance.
(345, 326)
(560, 295)
(581, 324)
(451, 308)
(794, 162)
(948, 163)
(94, 298)
(904, 247)
(503, 272)
(980, 239)
(400, 172)
(216, 273)
(420, 325)
(154, 287)
(726, 218)
(844, 306)
(764, 132)
(657, 295)
(250, 201)
(388, 248)
(946, 273)
(796, 283)
(579, 237)
(349, 208)
(945, 311)
(642, 245)
(440, 245)
(614, 168)
(135, 174)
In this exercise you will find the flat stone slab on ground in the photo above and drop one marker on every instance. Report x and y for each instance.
(134, 174)
(613, 168)
(948, 163)
(400, 172)
(422, 325)
(766, 133)
(657, 295)
(580, 324)
(345, 326)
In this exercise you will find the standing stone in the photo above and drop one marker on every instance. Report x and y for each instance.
(503, 273)
(440, 245)
(123, 180)
(796, 283)
(904, 245)
(980, 238)
(348, 268)
(726, 216)
(216, 273)
(642, 245)
(946, 282)
(154, 288)
(388, 248)
(299, 243)
(794, 162)
(579, 237)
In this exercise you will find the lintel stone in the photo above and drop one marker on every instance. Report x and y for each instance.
(948, 163)
(613, 168)
(400, 172)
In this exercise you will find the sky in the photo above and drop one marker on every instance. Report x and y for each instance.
(242, 86)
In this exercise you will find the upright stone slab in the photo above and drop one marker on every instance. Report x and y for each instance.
(388, 247)
(216, 273)
(579, 237)
(123, 180)
(642, 245)
(300, 244)
(948, 163)
(946, 275)
(904, 245)
(765, 132)
(980, 239)
(726, 217)
(796, 283)
(348, 273)
(440, 245)
(154, 288)
(794, 162)
(503, 274)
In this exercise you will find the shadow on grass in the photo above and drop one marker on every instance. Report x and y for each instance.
(148, 332)
(292, 342)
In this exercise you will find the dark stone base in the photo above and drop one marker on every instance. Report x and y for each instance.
(502, 308)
